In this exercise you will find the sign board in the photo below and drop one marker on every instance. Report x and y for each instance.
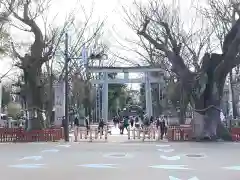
(59, 103)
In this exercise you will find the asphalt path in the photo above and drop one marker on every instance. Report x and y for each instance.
(118, 161)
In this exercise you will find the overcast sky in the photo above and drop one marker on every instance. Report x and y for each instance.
(115, 27)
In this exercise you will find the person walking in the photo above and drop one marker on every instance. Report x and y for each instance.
(158, 122)
(76, 128)
(131, 121)
(101, 126)
(162, 126)
(115, 121)
(125, 124)
(87, 124)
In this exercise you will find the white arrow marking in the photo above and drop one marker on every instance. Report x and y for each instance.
(174, 178)
(163, 145)
(102, 166)
(170, 167)
(38, 143)
(64, 145)
(50, 150)
(28, 166)
(36, 158)
(170, 158)
(166, 150)
(236, 168)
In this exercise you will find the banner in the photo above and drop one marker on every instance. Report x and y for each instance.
(59, 103)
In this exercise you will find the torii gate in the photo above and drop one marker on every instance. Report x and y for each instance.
(147, 79)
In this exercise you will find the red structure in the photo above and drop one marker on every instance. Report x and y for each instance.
(20, 135)
(179, 133)
(235, 134)
(184, 133)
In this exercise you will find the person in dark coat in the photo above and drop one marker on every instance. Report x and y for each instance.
(165, 124)
(131, 121)
(121, 125)
(100, 126)
(87, 125)
(137, 124)
(151, 119)
(76, 122)
(76, 128)
(162, 126)
(158, 122)
(115, 121)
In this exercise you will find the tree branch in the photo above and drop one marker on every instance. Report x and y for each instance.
(177, 62)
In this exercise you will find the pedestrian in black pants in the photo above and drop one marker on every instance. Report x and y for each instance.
(76, 128)
(131, 122)
(162, 127)
(100, 126)
(87, 125)
(158, 123)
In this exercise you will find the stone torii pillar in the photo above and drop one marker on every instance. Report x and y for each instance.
(148, 95)
(105, 97)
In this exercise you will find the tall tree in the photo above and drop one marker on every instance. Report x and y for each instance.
(46, 42)
(203, 86)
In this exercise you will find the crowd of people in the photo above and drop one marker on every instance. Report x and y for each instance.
(130, 121)
(136, 122)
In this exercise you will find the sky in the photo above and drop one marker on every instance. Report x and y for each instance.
(115, 28)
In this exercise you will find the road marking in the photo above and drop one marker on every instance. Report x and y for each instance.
(170, 167)
(163, 145)
(102, 166)
(117, 155)
(37, 143)
(28, 166)
(170, 158)
(174, 178)
(64, 145)
(235, 168)
(196, 156)
(166, 150)
(50, 150)
(36, 158)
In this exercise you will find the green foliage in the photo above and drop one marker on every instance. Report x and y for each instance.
(116, 94)
(6, 96)
(115, 91)
(14, 110)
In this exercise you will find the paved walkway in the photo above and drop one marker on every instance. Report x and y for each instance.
(164, 161)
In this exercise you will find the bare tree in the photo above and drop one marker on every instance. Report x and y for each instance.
(202, 81)
(41, 50)
(193, 43)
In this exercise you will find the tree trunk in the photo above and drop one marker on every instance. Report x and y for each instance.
(34, 97)
(207, 104)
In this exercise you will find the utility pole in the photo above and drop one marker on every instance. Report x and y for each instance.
(66, 121)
